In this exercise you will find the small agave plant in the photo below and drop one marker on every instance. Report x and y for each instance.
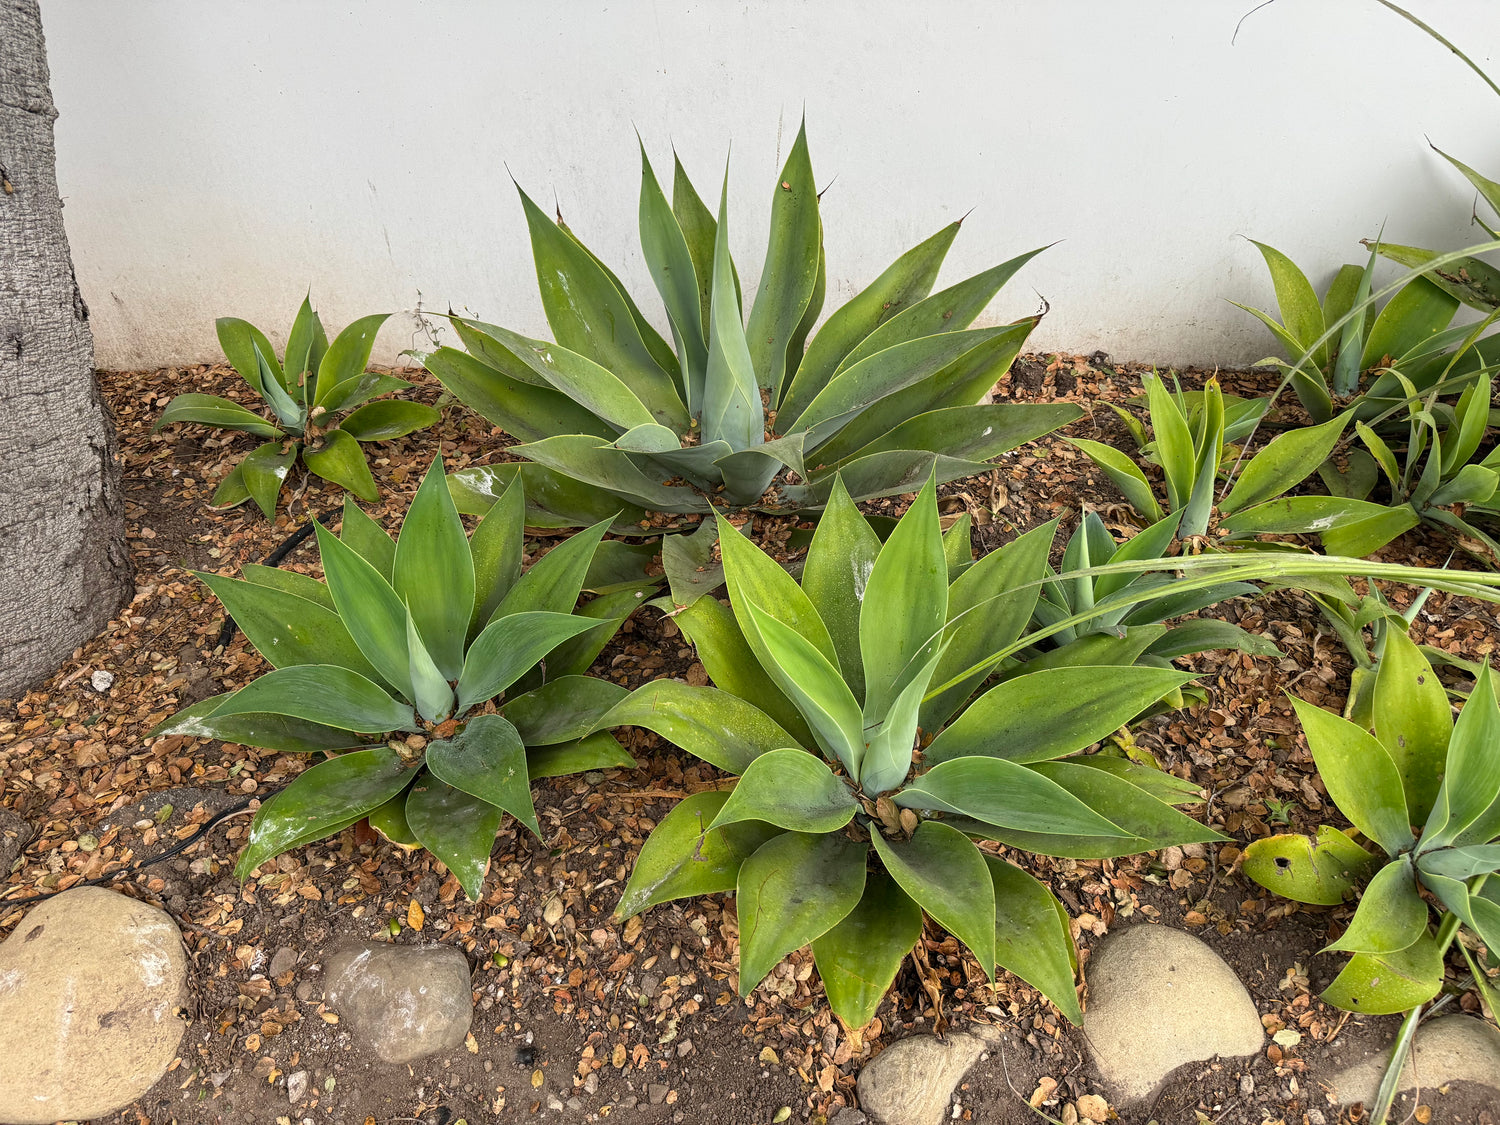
(838, 833)
(436, 634)
(737, 413)
(319, 395)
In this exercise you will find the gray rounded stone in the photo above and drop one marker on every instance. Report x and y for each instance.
(402, 1002)
(912, 1081)
(1449, 1049)
(92, 986)
(1160, 998)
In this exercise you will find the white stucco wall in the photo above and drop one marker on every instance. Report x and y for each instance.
(219, 157)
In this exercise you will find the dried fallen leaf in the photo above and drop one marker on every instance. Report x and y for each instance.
(1091, 1107)
(1044, 1088)
(537, 1079)
(415, 918)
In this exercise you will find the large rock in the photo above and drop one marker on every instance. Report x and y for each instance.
(1450, 1049)
(1160, 998)
(92, 986)
(912, 1081)
(403, 1002)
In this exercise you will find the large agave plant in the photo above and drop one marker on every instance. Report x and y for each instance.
(838, 833)
(437, 635)
(737, 413)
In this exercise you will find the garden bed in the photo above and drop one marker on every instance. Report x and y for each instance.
(643, 1015)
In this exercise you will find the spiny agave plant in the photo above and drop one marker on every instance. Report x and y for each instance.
(428, 635)
(838, 832)
(738, 413)
(319, 395)
(1413, 765)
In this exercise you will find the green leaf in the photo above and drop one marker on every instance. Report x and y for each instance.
(792, 890)
(487, 759)
(508, 648)
(323, 693)
(1473, 281)
(839, 563)
(975, 433)
(337, 457)
(211, 410)
(609, 611)
(305, 346)
(699, 229)
(671, 265)
(240, 339)
(623, 478)
(945, 875)
(231, 490)
(351, 392)
(1032, 936)
(789, 275)
(1323, 872)
(1472, 783)
(1382, 985)
(321, 801)
(1288, 460)
(888, 747)
(1356, 526)
(368, 539)
(521, 408)
(790, 789)
(390, 821)
(601, 751)
(1461, 863)
(1417, 312)
(434, 572)
(388, 419)
(1209, 633)
(1154, 823)
(722, 729)
(1006, 794)
(345, 360)
(496, 548)
(1391, 916)
(430, 691)
(905, 605)
(1153, 780)
(303, 586)
(369, 609)
(1125, 474)
(1485, 186)
(291, 413)
(1361, 777)
(1041, 715)
(286, 629)
(752, 576)
(455, 826)
(590, 316)
(813, 683)
(269, 732)
(1173, 442)
(1301, 312)
(563, 709)
(552, 583)
(1413, 721)
(595, 388)
(732, 408)
(859, 958)
(682, 858)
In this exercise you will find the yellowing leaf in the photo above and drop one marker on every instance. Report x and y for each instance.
(415, 918)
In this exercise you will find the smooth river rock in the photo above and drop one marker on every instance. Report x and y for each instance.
(92, 988)
(403, 1002)
(1449, 1049)
(1160, 998)
(912, 1081)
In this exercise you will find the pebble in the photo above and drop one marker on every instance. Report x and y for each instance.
(1449, 1049)
(1160, 998)
(92, 985)
(402, 1002)
(284, 960)
(912, 1081)
(848, 1116)
(101, 680)
(656, 1092)
(296, 1086)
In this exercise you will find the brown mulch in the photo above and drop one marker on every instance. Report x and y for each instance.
(576, 1013)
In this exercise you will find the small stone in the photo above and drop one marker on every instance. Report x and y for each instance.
(552, 913)
(1159, 998)
(1450, 1049)
(1069, 1114)
(403, 1002)
(554, 1103)
(92, 984)
(284, 960)
(848, 1116)
(305, 991)
(1247, 1085)
(912, 1081)
(650, 982)
(15, 834)
(685, 1048)
(296, 1086)
(594, 777)
(1091, 1107)
(102, 681)
(656, 1092)
(591, 1083)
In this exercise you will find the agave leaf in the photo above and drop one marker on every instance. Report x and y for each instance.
(302, 586)
(590, 317)
(1320, 515)
(522, 409)
(1032, 936)
(554, 581)
(322, 800)
(1301, 312)
(1042, 715)
(345, 360)
(362, 388)
(1323, 872)
(1473, 281)
(434, 571)
(859, 958)
(792, 890)
(388, 419)
(368, 539)
(287, 629)
(496, 548)
(1006, 794)
(487, 759)
(888, 749)
(305, 346)
(455, 826)
(1382, 985)
(264, 469)
(240, 339)
(885, 474)
(790, 789)
(1361, 777)
(337, 457)
(324, 694)
(1153, 780)
(752, 576)
(601, 465)
(683, 858)
(508, 648)
(390, 821)
(269, 732)
(372, 612)
(700, 230)
(211, 410)
(1127, 806)
(1472, 782)
(688, 562)
(1173, 443)
(1418, 311)
(722, 729)
(905, 282)
(231, 490)
(608, 611)
(1413, 721)
(590, 385)
(700, 465)
(1392, 915)
(430, 691)
(480, 340)
(291, 413)
(976, 433)
(1471, 416)
(600, 751)
(671, 265)
(1207, 634)
(839, 564)
(1286, 461)
(732, 408)
(1125, 474)
(947, 877)
(1208, 442)
(563, 709)
(789, 276)
(553, 499)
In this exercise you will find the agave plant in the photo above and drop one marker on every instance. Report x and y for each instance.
(1191, 439)
(436, 635)
(737, 413)
(1414, 765)
(319, 395)
(838, 832)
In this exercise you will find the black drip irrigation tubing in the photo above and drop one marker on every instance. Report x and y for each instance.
(288, 545)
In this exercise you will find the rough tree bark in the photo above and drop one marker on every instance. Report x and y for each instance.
(63, 565)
